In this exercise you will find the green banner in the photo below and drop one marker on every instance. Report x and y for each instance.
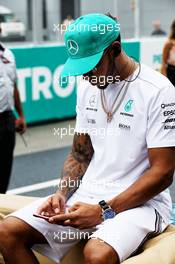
(42, 95)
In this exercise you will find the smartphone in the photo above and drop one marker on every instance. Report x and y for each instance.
(42, 216)
(47, 217)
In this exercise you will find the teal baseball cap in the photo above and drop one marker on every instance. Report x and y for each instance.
(86, 39)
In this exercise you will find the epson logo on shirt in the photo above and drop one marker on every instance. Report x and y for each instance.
(125, 127)
(167, 113)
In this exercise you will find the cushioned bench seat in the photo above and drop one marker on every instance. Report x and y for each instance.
(158, 250)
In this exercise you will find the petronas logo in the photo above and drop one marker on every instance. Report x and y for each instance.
(128, 106)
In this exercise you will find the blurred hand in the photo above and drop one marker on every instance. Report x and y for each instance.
(53, 205)
(20, 125)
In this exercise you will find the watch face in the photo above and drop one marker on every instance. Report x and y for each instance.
(107, 214)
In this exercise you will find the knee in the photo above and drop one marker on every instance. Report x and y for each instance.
(97, 255)
(10, 236)
(93, 257)
(7, 238)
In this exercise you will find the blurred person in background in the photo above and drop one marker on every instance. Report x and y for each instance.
(67, 21)
(157, 29)
(168, 57)
(9, 99)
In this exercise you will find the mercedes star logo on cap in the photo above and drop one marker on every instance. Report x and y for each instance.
(72, 47)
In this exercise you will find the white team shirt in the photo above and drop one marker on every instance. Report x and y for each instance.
(145, 119)
(7, 80)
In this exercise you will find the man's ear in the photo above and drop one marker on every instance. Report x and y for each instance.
(116, 46)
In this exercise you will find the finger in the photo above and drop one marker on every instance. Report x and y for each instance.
(74, 207)
(56, 204)
(62, 217)
(44, 207)
(67, 222)
(41, 209)
(45, 213)
(62, 205)
(72, 223)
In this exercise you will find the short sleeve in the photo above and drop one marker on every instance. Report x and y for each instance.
(161, 119)
(81, 125)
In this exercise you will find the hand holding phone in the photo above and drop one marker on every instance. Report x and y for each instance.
(55, 204)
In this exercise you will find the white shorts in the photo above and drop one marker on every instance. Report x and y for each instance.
(126, 232)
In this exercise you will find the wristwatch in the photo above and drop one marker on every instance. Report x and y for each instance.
(107, 211)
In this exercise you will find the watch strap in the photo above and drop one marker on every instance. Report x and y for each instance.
(104, 205)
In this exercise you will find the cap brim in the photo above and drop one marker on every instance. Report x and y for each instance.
(75, 67)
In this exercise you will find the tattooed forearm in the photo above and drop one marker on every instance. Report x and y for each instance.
(76, 164)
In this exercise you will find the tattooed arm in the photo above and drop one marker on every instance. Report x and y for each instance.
(76, 164)
(74, 168)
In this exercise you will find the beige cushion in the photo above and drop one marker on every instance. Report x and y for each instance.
(10, 203)
(159, 250)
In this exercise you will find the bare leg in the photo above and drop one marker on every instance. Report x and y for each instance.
(22, 255)
(16, 240)
(98, 252)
